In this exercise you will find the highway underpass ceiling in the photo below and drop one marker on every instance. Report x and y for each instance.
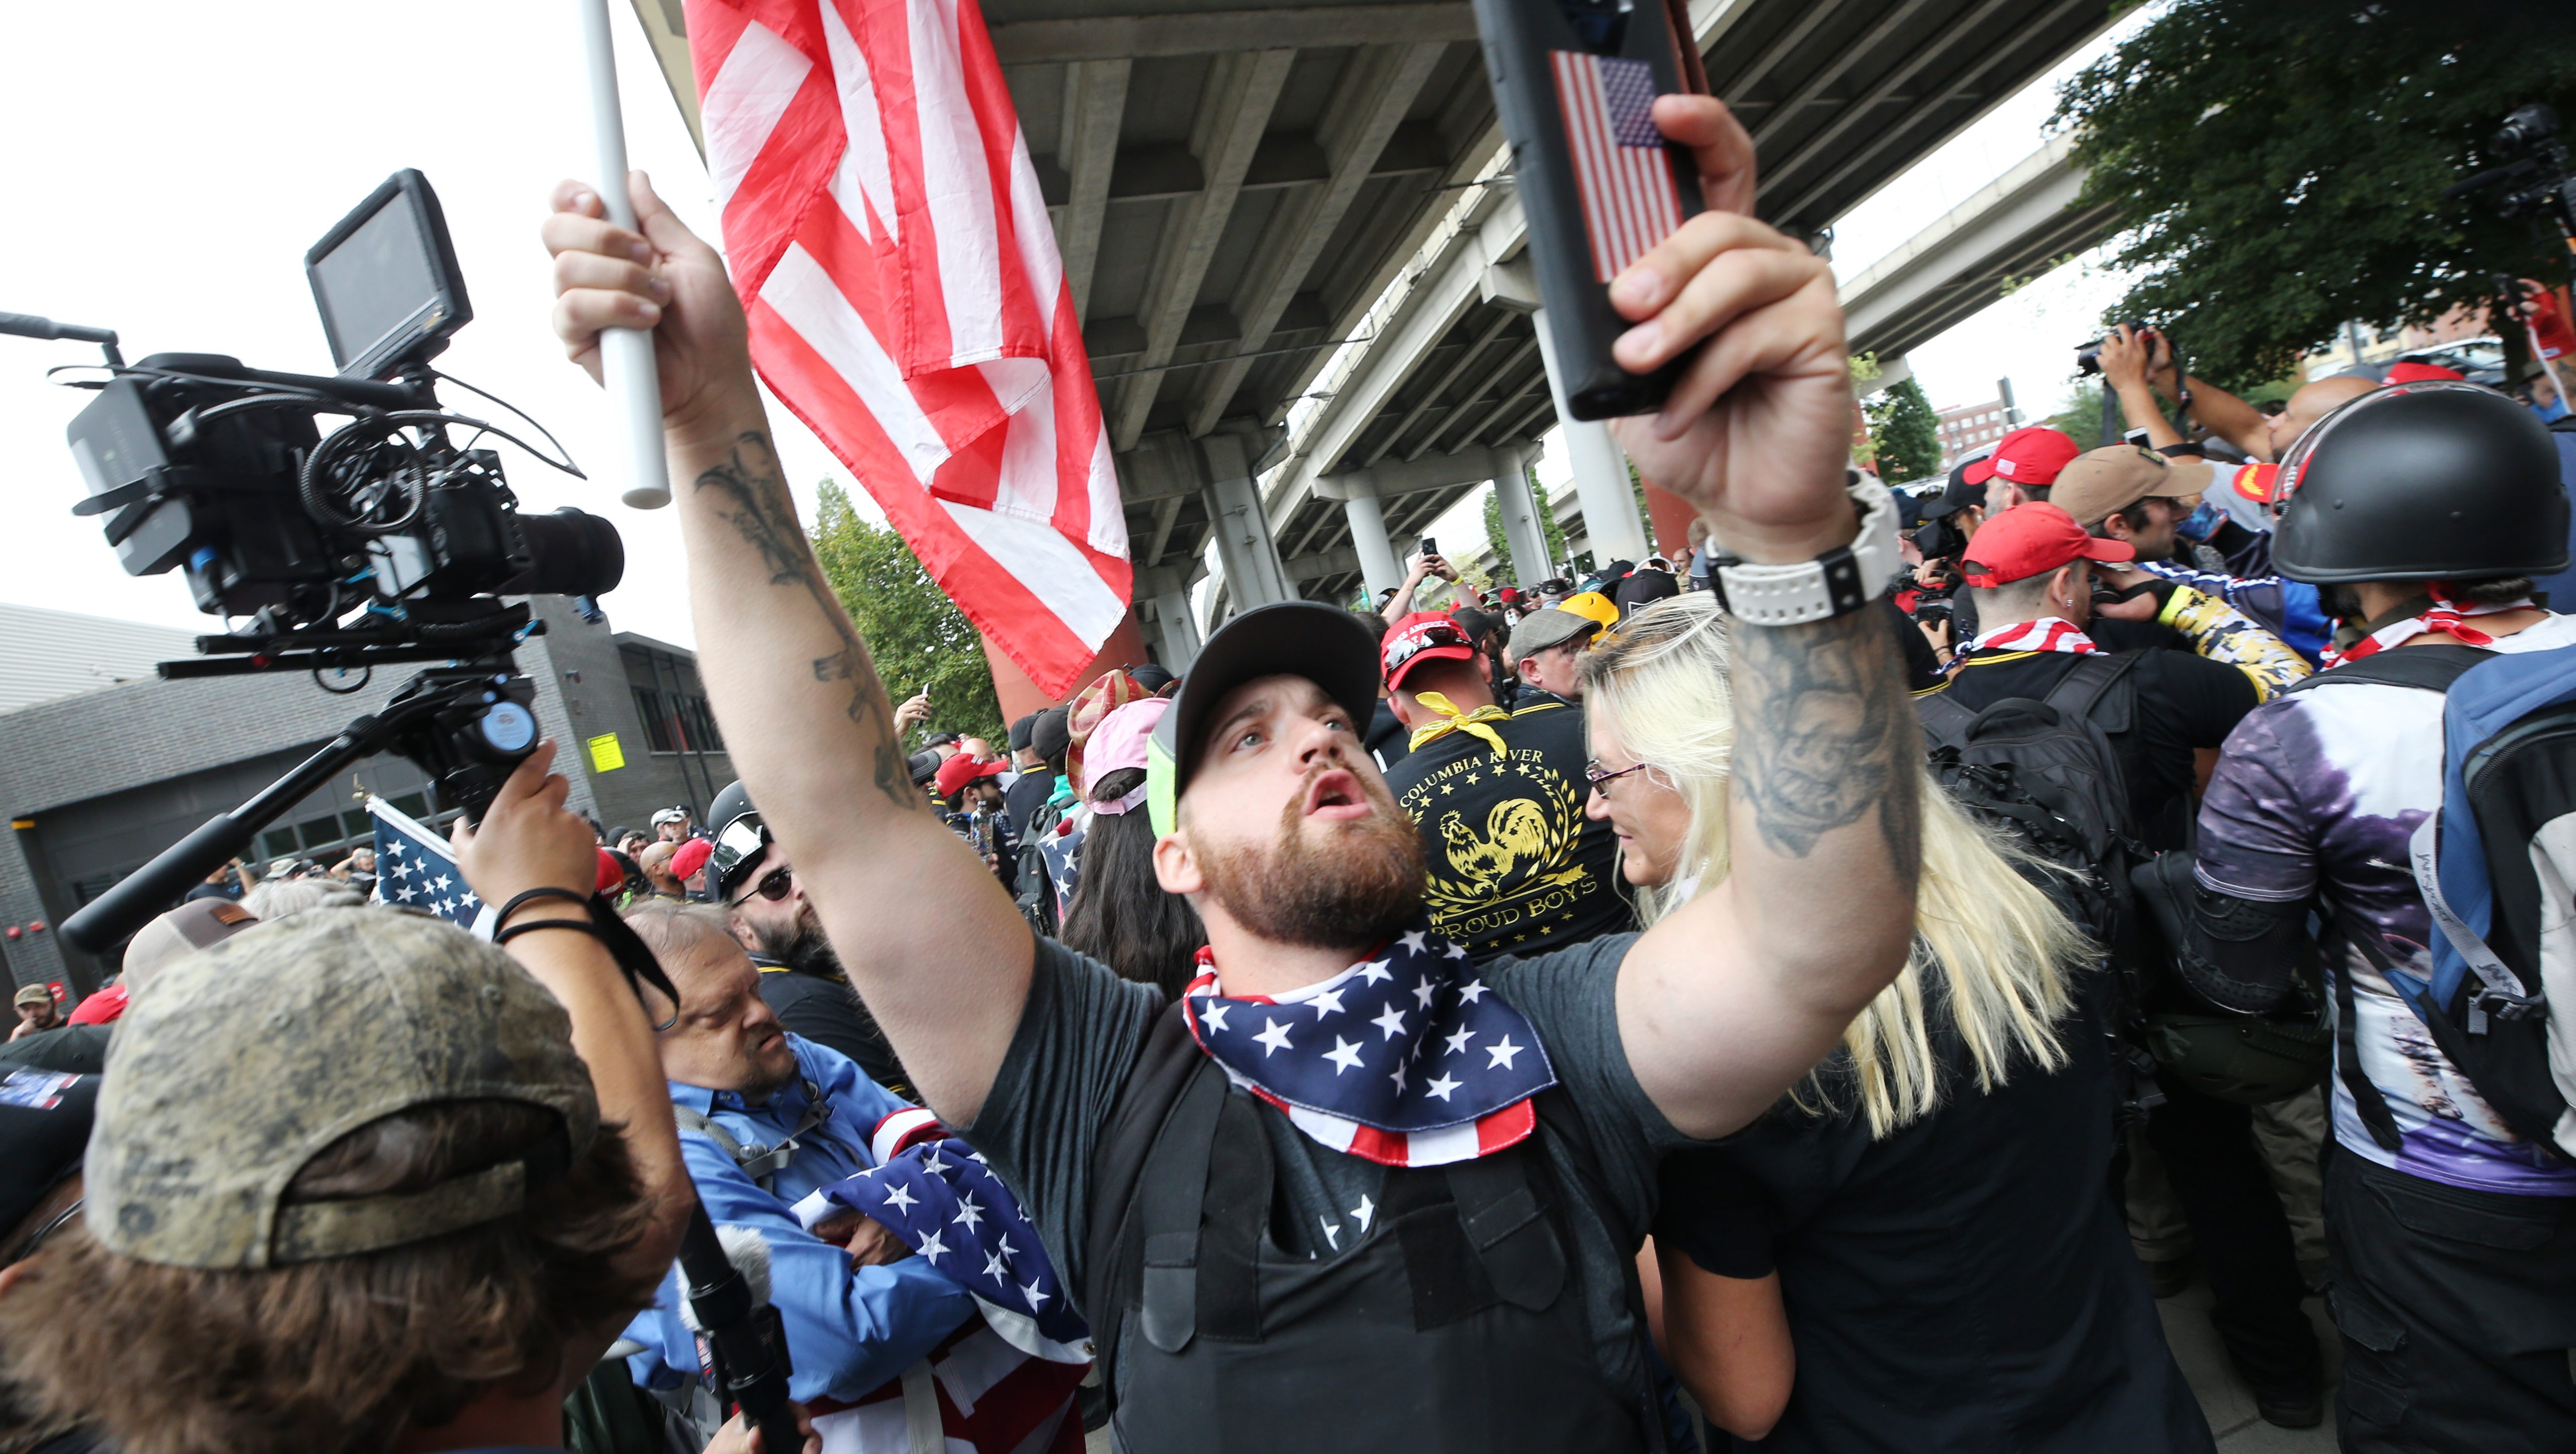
(1233, 184)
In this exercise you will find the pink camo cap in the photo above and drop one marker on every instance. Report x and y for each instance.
(1120, 741)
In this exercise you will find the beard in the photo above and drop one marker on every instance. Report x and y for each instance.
(1350, 887)
(800, 946)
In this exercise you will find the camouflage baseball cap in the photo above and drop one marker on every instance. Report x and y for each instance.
(249, 1058)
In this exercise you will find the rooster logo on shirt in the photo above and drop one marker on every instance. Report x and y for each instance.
(1516, 829)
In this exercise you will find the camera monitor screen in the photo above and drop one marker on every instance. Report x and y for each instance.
(386, 281)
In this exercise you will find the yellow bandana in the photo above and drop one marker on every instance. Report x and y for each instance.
(1453, 720)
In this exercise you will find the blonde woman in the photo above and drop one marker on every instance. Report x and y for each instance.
(1934, 1200)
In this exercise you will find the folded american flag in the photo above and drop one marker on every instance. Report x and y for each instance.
(1407, 1059)
(936, 1193)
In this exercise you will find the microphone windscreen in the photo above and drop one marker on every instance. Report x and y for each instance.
(748, 1251)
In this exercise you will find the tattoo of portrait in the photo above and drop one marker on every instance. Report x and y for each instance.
(759, 507)
(1824, 735)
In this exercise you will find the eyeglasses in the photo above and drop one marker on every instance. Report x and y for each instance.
(773, 888)
(1601, 781)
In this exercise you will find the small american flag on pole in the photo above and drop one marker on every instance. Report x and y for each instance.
(884, 226)
(415, 870)
(1621, 168)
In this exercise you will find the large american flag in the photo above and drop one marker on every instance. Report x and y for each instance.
(885, 228)
(415, 870)
(1621, 168)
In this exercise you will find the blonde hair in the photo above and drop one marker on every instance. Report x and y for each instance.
(1995, 951)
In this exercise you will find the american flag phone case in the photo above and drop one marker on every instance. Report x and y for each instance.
(1574, 81)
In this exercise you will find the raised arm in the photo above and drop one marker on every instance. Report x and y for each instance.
(2124, 367)
(1725, 1003)
(931, 942)
(2231, 419)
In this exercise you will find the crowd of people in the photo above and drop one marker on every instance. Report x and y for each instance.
(1815, 991)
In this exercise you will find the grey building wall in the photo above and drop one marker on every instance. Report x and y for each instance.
(96, 784)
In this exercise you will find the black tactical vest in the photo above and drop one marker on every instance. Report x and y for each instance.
(1456, 1323)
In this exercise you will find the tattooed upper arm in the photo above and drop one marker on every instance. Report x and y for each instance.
(757, 504)
(1824, 735)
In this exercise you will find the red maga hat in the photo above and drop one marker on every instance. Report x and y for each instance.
(2416, 371)
(1420, 637)
(2031, 456)
(959, 770)
(690, 857)
(2028, 540)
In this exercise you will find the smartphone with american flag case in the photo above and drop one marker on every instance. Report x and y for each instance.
(1575, 81)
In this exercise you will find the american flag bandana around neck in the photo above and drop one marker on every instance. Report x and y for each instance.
(2447, 618)
(1405, 1059)
(2048, 633)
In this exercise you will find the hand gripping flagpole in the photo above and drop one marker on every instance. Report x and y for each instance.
(625, 354)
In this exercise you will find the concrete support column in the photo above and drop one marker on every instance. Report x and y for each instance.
(1522, 529)
(1180, 634)
(1245, 550)
(1378, 565)
(1600, 470)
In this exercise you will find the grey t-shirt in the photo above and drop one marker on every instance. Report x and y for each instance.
(1083, 1026)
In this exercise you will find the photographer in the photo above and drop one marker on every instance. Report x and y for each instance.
(1574, 1072)
(416, 1220)
(2146, 370)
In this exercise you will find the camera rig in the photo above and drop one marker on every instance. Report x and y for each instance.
(383, 540)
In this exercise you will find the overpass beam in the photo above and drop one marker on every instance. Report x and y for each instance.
(1367, 518)
(1600, 470)
(1245, 548)
(1522, 528)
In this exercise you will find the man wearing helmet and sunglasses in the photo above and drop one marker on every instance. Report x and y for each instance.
(800, 977)
(2422, 510)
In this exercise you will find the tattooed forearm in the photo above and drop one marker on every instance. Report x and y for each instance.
(757, 505)
(1824, 737)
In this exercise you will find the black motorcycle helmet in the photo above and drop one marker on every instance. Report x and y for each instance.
(742, 841)
(2438, 481)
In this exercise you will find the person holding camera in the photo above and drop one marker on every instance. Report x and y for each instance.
(1356, 1072)
(361, 1181)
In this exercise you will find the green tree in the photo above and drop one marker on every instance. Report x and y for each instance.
(1904, 433)
(2279, 169)
(916, 635)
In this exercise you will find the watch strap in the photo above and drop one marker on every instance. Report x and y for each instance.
(1836, 583)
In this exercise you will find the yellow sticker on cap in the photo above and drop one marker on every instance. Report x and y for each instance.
(605, 755)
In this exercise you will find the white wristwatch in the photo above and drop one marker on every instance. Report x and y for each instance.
(1839, 581)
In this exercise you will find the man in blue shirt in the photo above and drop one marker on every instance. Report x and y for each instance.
(856, 1315)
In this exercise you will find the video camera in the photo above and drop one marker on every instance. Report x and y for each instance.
(383, 540)
(2088, 359)
(2535, 173)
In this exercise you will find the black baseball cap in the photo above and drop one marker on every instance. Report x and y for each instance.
(1957, 495)
(1020, 732)
(1051, 735)
(1333, 648)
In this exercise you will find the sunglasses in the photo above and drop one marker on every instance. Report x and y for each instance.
(774, 887)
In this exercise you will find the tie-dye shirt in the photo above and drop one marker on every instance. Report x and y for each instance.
(2321, 789)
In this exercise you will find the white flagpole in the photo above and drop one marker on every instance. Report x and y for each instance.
(625, 354)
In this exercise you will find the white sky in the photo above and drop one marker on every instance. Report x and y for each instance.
(171, 162)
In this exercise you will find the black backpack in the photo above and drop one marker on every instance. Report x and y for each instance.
(2043, 770)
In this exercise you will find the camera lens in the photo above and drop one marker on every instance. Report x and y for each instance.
(507, 728)
(570, 553)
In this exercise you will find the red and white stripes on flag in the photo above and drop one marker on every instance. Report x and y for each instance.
(1621, 169)
(885, 229)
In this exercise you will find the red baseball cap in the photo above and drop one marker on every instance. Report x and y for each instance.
(2031, 456)
(2413, 371)
(1420, 637)
(2028, 540)
(690, 857)
(959, 770)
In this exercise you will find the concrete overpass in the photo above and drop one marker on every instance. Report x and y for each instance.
(2021, 225)
(1290, 239)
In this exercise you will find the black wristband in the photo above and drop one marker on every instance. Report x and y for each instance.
(504, 936)
(547, 891)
